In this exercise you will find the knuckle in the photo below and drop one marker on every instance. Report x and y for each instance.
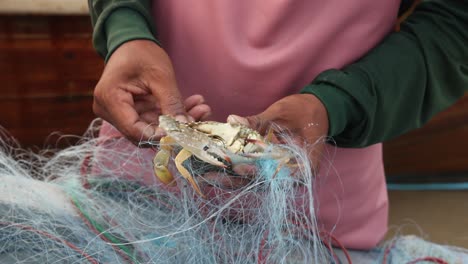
(173, 105)
(258, 123)
(173, 101)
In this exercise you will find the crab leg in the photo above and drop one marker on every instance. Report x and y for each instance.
(161, 160)
(179, 159)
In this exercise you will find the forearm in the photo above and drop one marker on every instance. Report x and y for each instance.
(118, 21)
(409, 77)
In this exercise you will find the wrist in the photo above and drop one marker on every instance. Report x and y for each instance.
(125, 25)
(339, 106)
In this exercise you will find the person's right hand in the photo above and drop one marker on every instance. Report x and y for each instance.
(137, 85)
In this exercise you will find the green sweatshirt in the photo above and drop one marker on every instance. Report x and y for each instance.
(398, 86)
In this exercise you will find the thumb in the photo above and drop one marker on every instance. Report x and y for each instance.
(235, 119)
(260, 122)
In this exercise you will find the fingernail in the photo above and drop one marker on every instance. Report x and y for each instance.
(205, 116)
(181, 118)
(235, 119)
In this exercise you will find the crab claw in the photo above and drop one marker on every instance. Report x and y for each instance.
(160, 162)
(212, 154)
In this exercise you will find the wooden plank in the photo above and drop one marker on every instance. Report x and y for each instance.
(43, 56)
(32, 120)
(31, 26)
(48, 70)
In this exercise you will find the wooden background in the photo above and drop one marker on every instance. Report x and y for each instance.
(48, 70)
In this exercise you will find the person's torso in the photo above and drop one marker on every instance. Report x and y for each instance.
(251, 53)
(243, 55)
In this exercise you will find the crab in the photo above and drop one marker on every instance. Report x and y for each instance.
(220, 144)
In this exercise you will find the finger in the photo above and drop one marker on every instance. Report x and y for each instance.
(170, 101)
(121, 113)
(133, 127)
(235, 119)
(200, 112)
(260, 122)
(196, 107)
(271, 131)
(158, 133)
(149, 113)
(193, 101)
(173, 106)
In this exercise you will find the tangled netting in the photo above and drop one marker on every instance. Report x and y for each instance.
(75, 207)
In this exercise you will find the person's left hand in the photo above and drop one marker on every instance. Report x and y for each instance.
(301, 116)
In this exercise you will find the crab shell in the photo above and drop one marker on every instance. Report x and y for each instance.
(215, 143)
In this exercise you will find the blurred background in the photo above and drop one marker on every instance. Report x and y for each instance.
(48, 69)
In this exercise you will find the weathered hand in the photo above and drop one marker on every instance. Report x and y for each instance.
(301, 116)
(137, 85)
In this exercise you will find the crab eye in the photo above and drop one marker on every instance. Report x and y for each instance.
(205, 148)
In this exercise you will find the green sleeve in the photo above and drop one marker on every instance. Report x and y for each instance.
(409, 77)
(118, 21)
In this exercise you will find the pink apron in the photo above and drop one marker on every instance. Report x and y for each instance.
(243, 55)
